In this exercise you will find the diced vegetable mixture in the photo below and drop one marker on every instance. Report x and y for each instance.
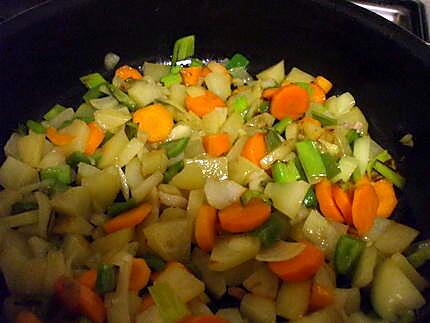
(196, 192)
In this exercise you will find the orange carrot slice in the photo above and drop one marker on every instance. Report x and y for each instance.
(203, 104)
(89, 279)
(323, 83)
(95, 138)
(343, 202)
(128, 219)
(321, 297)
(191, 75)
(139, 276)
(155, 120)
(59, 139)
(291, 101)
(27, 317)
(237, 218)
(255, 148)
(270, 92)
(127, 72)
(323, 191)
(147, 302)
(318, 94)
(205, 230)
(217, 145)
(386, 197)
(301, 267)
(364, 208)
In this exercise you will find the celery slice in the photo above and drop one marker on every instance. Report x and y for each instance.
(170, 307)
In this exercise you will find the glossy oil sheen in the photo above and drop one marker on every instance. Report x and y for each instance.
(43, 53)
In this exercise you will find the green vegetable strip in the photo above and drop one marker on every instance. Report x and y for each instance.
(238, 60)
(171, 79)
(271, 231)
(173, 170)
(195, 62)
(264, 107)
(122, 97)
(331, 165)
(79, 157)
(240, 105)
(383, 156)
(120, 207)
(85, 112)
(93, 80)
(285, 173)
(61, 173)
(273, 140)
(311, 160)
(310, 201)
(108, 136)
(55, 111)
(282, 125)
(131, 130)
(175, 147)
(154, 262)
(419, 253)
(351, 136)
(91, 94)
(250, 194)
(170, 307)
(20, 207)
(106, 278)
(325, 120)
(183, 48)
(35, 126)
(389, 174)
(347, 253)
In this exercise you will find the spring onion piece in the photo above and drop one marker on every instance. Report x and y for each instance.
(183, 48)
(131, 130)
(271, 230)
(170, 307)
(35, 126)
(170, 79)
(120, 207)
(79, 157)
(240, 105)
(251, 194)
(351, 136)
(362, 153)
(348, 251)
(92, 94)
(55, 111)
(310, 201)
(154, 262)
(108, 136)
(311, 160)
(273, 140)
(264, 107)
(330, 163)
(175, 147)
(320, 113)
(93, 80)
(389, 174)
(172, 171)
(237, 60)
(285, 172)
(281, 125)
(20, 207)
(195, 62)
(106, 278)
(61, 173)
(85, 112)
(419, 253)
(122, 97)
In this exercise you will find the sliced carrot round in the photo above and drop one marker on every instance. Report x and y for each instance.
(323, 191)
(203, 104)
(343, 202)
(127, 72)
(155, 120)
(255, 148)
(236, 218)
(386, 197)
(217, 145)
(364, 208)
(301, 267)
(191, 75)
(139, 276)
(290, 101)
(128, 219)
(205, 227)
(89, 279)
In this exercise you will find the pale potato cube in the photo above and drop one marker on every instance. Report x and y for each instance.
(72, 224)
(30, 148)
(76, 202)
(113, 241)
(112, 149)
(258, 309)
(153, 161)
(262, 282)
(15, 174)
(80, 131)
(293, 299)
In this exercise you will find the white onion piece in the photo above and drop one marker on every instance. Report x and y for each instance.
(280, 251)
(172, 200)
(110, 61)
(222, 193)
(124, 185)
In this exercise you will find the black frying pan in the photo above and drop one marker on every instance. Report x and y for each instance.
(43, 52)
